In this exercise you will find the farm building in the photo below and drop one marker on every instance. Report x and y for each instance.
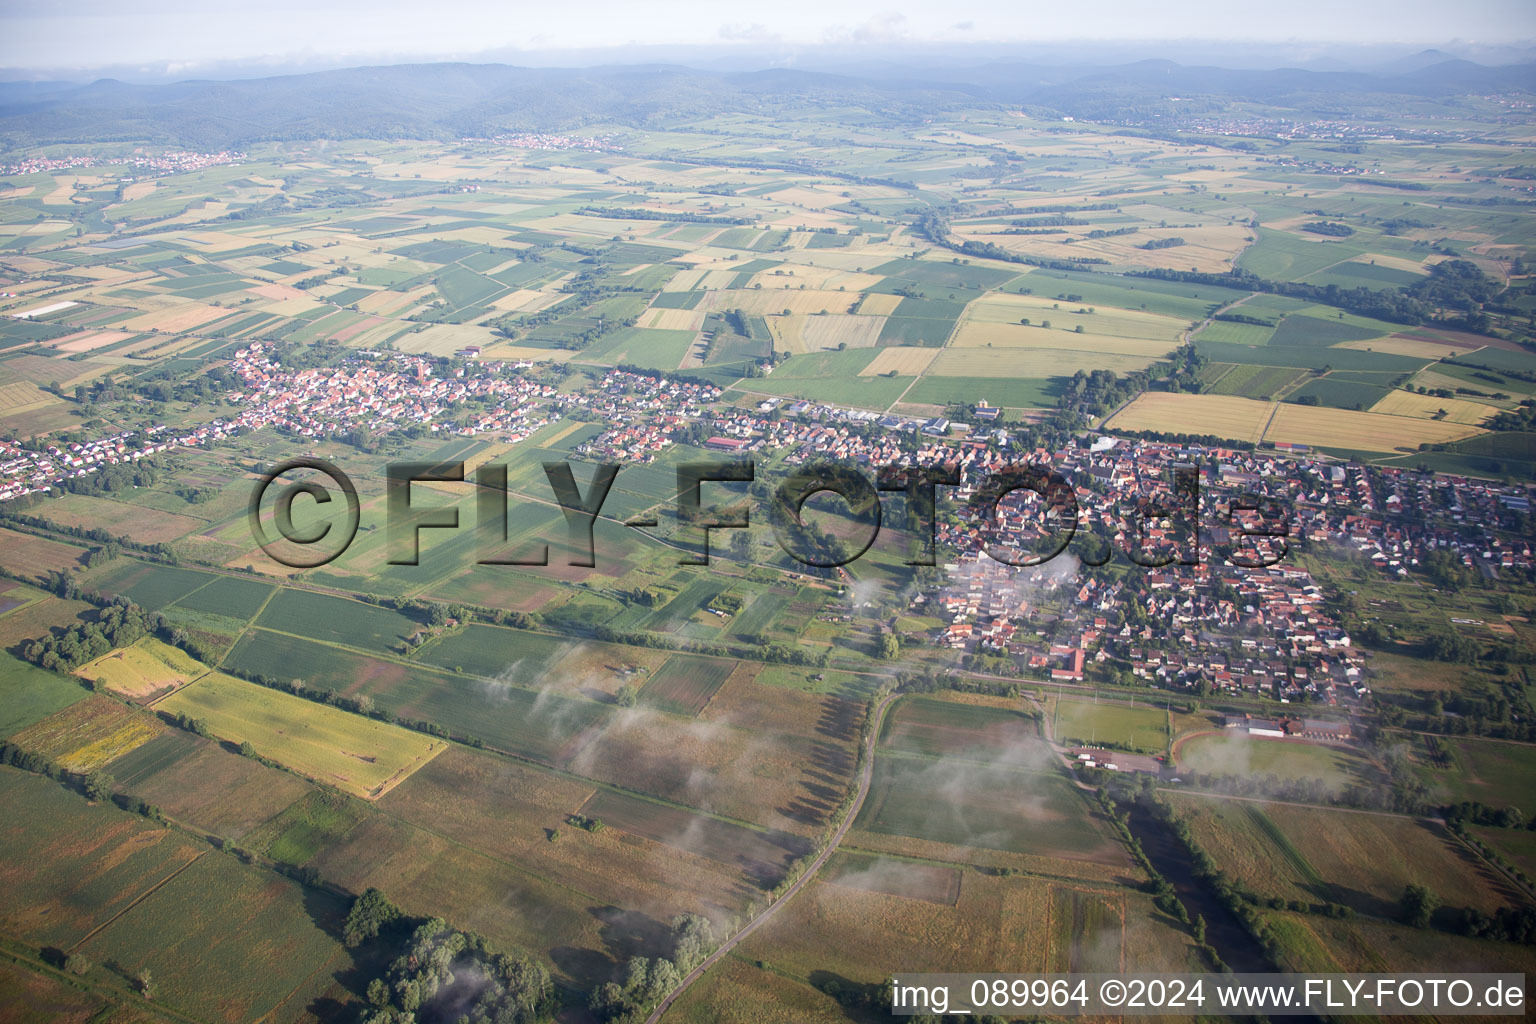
(1324, 729)
(1265, 727)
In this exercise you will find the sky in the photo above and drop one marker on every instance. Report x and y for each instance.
(178, 36)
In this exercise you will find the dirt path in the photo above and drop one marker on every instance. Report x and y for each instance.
(805, 877)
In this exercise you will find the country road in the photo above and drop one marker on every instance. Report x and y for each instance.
(865, 778)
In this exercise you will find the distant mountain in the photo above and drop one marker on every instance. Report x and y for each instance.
(452, 100)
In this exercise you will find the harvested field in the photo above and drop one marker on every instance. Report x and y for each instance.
(1034, 362)
(1410, 403)
(901, 360)
(1360, 431)
(1241, 419)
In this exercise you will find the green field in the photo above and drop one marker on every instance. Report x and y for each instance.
(29, 694)
(1119, 726)
(1222, 754)
(685, 683)
(992, 807)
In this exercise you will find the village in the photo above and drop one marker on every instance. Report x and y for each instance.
(1192, 621)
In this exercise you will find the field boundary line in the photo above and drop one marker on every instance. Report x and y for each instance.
(865, 779)
(136, 901)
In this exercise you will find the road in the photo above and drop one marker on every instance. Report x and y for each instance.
(810, 872)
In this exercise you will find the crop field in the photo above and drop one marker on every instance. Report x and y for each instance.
(1498, 774)
(938, 728)
(36, 557)
(685, 683)
(1360, 431)
(1251, 381)
(228, 596)
(509, 811)
(1120, 726)
(70, 867)
(200, 784)
(148, 668)
(993, 807)
(1457, 410)
(335, 620)
(1241, 419)
(356, 754)
(87, 734)
(1323, 855)
(930, 883)
(29, 694)
(149, 585)
(199, 932)
(529, 723)
(1345, 394)
(1223, 754)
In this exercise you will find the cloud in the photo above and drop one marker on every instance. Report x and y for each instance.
(753, 33)
(890, 27)
(964, 26)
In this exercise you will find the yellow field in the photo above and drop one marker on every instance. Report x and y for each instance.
(183, 317)
(776, 300)
(1410, 403)
(356, 754)
(1034, 362)
(143, 669)
(445, 339)
(976, 335)
(1406, 347)
(818, 333)
(1241, 419)
(1104, 320)
(672, 319)
(89, 340)
(879, 305)
(20, 395)
(1368, 431)
(906, 362)
(88, 734)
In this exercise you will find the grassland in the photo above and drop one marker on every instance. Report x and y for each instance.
(355, 754)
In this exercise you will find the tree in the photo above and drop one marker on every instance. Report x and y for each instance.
(627, 696)
(692, 938)
(76, 964)
(370, 913)
(890, 646)
(97, 785)
(145, 983)
(1419, 906)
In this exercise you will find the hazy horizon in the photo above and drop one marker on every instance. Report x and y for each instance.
(175, 38)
